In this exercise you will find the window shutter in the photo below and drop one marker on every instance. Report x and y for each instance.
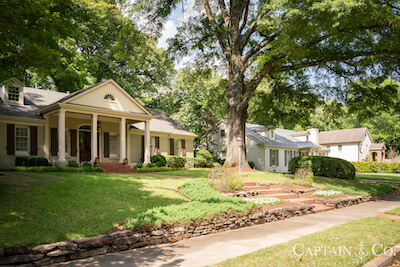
(171, 147)
(34, 145)
(73, 143)
(142, 145)
(286, 157)
(183, 144)
(157, 145)
(270, 157)
(277, 157)
(10, 139)
(54, 142)
(106, 145)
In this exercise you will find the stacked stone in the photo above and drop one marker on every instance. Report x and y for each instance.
(123, 240)
(252, 193)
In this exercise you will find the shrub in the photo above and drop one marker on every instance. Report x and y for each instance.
(87, 164)
(54, 169)
(158, 169)
(303, 177)
(375, 167)
(21, 161)
(32, 162)
(205, 154)
(158, 160)
(151, 165)
(73, 164)
(42, 162)
(224, 181)
(324, 166)
(138, 166)
(175, 161)
(252, 164)
(216, 164)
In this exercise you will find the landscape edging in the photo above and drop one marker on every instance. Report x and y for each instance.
(386, 258)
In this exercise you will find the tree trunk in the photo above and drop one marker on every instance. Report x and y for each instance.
(236, 116)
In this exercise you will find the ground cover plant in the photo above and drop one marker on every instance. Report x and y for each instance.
(206, 202)
(374, 231)
(40, 208)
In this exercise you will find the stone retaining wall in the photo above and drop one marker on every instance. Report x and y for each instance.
(123, 240)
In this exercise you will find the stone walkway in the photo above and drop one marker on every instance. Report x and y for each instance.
(212, 249)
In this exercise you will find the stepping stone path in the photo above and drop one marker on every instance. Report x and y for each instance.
(266, 190)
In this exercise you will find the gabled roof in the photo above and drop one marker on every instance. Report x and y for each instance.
(379, 146)
(343, 136)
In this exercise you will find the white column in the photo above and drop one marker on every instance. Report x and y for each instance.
(128, 144)
(94, 137)
(147, 142)
(47, 138)
(61, 138)
(122, 140)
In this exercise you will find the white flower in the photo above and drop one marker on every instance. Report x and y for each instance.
(263, 200)
(328, 193)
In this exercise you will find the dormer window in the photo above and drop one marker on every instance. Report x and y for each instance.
(272, 134)
(13, 93)
(109, 97)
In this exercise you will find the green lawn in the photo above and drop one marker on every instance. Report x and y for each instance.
(195, 172)
(394, 212)
(42, 208)
(369, 231)
(395, 177)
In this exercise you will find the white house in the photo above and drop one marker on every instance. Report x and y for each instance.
(59, 126)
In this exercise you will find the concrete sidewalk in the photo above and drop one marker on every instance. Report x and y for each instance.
(212, 249)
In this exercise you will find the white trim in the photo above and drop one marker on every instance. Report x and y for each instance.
(28, 137)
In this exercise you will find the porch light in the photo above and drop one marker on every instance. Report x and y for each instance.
(240, 143)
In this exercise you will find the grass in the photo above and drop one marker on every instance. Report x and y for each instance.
(195, 172)
(394, 212)
(373, 231)
(394, 177)
(46, 207)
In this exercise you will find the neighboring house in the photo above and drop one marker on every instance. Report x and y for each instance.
(352, 145)
(270, 149)
(58, 126)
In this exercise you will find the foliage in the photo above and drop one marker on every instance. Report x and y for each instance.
(87, 164)
(265, 200)
(38, 162)
(323, 166)
(206, 202)
(303, 177)
(73, 164)
(205, 154)
(21, 161)
(158, 169)
(138, 166)
(224, 181)
(175, 161)
(376, 167)
(151, 165)
(158, 160)
(252, 164)
(328, 193)
(54, 169)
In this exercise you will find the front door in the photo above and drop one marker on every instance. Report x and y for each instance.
(84, 146)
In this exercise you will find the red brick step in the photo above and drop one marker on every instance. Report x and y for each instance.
(321, 208)
(305, 200)
(249, 183)
(270, 191)
(256, 187)
(284, 195)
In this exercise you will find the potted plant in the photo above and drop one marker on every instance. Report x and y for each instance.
(125, 161)
(97, 160)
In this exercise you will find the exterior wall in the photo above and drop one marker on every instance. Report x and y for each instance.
(255, 154)
(349, 152)
(217, 144)
(364, 146)
(314, 135)
(281, 164)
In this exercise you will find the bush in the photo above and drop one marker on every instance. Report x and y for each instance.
(324, 166)
(224, 181)
(73, 164)
(205, 154)
(158, 169)
(158, 160)
(42, 162)
(21, 161)
(175, 161)
(54, 169)
(375, 167)
(32, 162)
(303, 177)
(87, 164)
(252, 164)
(151, 165)
(138, 166)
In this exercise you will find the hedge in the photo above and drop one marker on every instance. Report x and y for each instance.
(375, 167)
(158, 169)
(52, 169)
(324, 166)
(179, 162)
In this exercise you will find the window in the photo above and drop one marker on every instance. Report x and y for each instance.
(21, 139)
(222, 133)
(157, 145)
(113, 141)
(109, 97)
(67, 142)
(340, 148)
(274, 160)
(13, 94)
(328, 147)
(361, 148)
(272, 134)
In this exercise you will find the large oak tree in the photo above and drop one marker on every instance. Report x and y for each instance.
(268, 38)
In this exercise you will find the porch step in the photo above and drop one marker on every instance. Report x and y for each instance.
(305, 200)
(249, 183)
(116, 168)
(284, 195)
(321, 208)
(256, 187)
(270, 191)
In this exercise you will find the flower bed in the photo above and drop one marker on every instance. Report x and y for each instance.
(328, 193)
(264, 200)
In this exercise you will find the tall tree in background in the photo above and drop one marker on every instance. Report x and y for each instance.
(259, 39)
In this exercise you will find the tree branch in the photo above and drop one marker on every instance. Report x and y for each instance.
(246, 14)
(257, 49)
(216, 29)
(224, 12)
(252, 28)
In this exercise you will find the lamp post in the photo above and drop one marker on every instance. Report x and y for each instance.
(240, 143)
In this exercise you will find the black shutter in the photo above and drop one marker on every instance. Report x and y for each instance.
(10, 139)
(34, 145)
(54, 142)
(157, 145)
(142, 147)
(106, 145)
(183, 144)
(73, 143)
(171, 147)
